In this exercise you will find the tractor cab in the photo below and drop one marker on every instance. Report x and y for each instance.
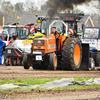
(91, 33)
(28, 29)
(45, 22)
(20, 30)
(70, 20)
(60, 27)
(11, 29)
(91, 36)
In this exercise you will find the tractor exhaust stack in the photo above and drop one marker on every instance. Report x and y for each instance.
(47, 34)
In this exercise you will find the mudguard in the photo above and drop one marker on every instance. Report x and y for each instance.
(85, 57)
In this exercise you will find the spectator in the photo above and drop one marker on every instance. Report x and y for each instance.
(7, 37)
(14, 36)
(17, 38)
(1, 49)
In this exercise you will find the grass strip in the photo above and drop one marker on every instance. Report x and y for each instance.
(35, 81)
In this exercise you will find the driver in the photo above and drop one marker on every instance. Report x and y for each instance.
(92, 34)
(57, 35)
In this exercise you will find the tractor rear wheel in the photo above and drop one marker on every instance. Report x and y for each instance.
(14, 63)
(97, 60)
(91, 64)
(53, 62)
(22, 63)
(71, 54)
(7, 62)
(19, 63)
(25, 62)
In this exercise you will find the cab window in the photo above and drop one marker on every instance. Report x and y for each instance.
(91, 33)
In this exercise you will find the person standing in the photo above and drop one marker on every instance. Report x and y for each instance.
(1, 49)
(14, 36)
(57, 36)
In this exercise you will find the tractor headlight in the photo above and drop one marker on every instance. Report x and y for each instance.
(35, 47)
(42, 47)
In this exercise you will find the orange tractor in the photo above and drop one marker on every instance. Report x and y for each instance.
(68, 56)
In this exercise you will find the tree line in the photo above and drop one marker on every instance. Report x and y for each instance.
(11, 11)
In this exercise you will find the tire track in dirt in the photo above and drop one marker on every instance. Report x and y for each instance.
(15, 72)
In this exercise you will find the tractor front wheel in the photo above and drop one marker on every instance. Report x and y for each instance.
(53, 61)
(25, 62)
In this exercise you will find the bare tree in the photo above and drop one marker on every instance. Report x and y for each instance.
(19, 9)
(30, 7)
(11, 11)
(8, 11)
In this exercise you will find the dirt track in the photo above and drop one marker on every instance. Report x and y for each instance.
(88, 94)
(16, 72)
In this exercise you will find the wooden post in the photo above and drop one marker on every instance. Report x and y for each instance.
(3, 21)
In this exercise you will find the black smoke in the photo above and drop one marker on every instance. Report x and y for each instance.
(56, 6)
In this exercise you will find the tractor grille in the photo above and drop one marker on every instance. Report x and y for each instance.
(39, 50)
(39, 42)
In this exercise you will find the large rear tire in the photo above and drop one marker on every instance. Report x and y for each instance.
(19, 63)
(71, 54)
(91, 64)
(97, 60)
(25, 62)
(14, 63)
(7, 62)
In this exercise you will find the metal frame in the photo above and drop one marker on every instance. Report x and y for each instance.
(58, 21)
